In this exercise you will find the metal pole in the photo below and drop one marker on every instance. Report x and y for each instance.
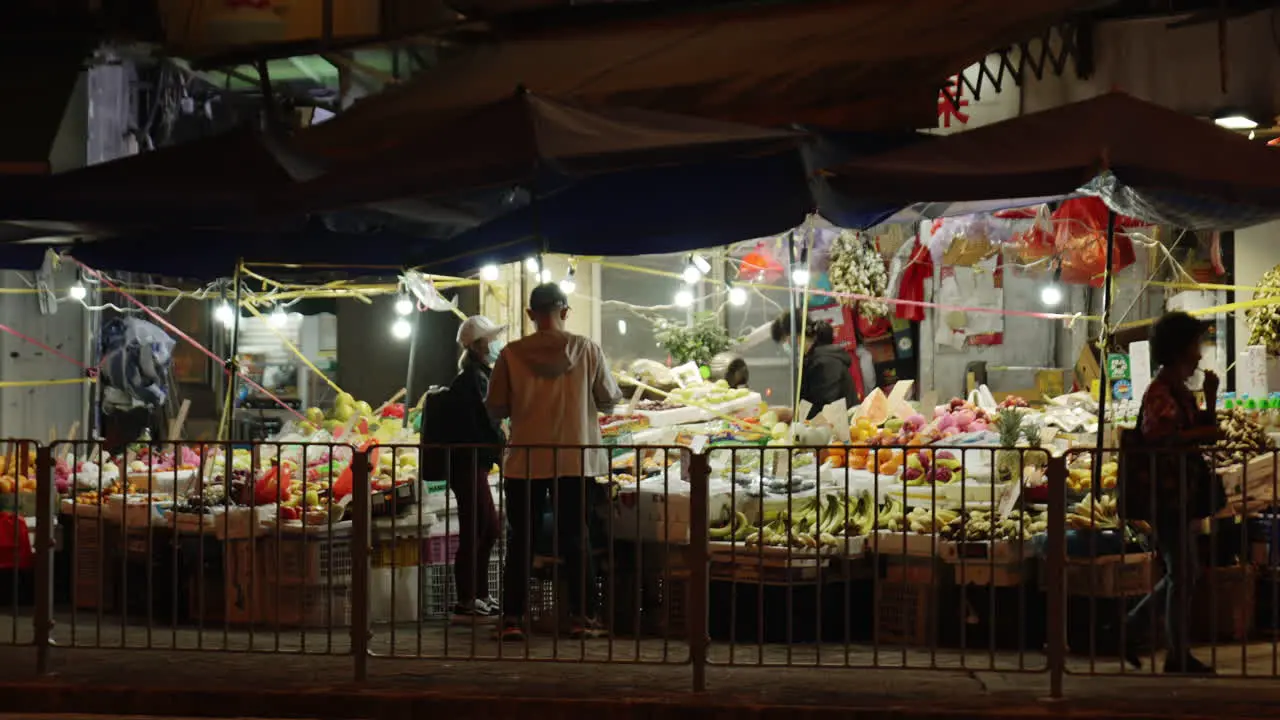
(1054, 574)
(232, 367)
(413, 352)
(361, 542)
(796, 350)
(1103, 382)
(699, 479)
(44, 549)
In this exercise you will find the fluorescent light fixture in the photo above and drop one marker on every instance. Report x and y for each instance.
(1235, 121)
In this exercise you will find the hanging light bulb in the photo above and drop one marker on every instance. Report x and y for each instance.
(737, 296)
(77, 291)
(224, 314)
(1051, 294)
(567, 285)
(278, 318)
(700, 263)
(544, 276)
(684, 297)
(489, 273)
(404, 305)
(401, 329)
(692, 273)
(800, 276)
(532, 265)
(622, 327)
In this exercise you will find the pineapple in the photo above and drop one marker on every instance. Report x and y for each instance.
(1009, 461)
(1038, 459)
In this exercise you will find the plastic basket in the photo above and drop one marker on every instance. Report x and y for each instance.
(439, 593)
(905, 614)
(308, 560)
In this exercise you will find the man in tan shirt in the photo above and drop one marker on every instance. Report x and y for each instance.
(551, 384)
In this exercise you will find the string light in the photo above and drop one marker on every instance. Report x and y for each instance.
(404, 305)
(692, 270)
(278, 318)
(737, 296)
(800, 276)
(489, 273)
(567, 285)
(77, 291)
(1051, 294)
(224, 314)
(684, 297)
(532, 265)
(401, 329)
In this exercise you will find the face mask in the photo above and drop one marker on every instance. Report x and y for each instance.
(786, 348)
(495, 347)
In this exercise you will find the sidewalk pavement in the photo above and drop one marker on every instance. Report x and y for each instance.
(208, 684)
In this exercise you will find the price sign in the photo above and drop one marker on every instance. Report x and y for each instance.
(1117, 366)
(1008, 498)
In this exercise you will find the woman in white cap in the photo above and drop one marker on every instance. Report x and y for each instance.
(479, 338)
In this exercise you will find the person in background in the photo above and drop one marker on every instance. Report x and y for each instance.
(479, 338)
(550, 385)
(826, 375)
(1170, 417)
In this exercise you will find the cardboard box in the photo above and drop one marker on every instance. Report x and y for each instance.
(1087, 369)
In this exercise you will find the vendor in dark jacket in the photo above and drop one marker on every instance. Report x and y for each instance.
(469, 467)
(827, 367)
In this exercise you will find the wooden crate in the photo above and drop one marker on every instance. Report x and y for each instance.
(907, 614)
(1108, 576)
(96, 564)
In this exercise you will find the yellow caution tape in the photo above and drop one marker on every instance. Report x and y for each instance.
(44, 383)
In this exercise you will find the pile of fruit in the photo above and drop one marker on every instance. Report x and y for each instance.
(1080, 477)
(349, 411)
(1091, 514)
(17, 474)
(708, 394)
(1244, 440)
(981, 525)
(960, 416)
(813, 523)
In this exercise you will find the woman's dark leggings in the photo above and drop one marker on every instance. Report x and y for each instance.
(477, 532)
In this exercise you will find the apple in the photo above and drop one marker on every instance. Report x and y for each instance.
(945, 455)
(364, 409)
(942, 475)
(314, 415)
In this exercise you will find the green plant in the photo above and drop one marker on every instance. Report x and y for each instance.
(696, 342)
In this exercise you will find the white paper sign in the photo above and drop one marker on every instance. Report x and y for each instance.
(1140, 367)
(1252, 371)
(837, 415)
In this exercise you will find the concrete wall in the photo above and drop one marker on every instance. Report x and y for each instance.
(1257, 250)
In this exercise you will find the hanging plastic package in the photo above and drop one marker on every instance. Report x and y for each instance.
(1080, 238)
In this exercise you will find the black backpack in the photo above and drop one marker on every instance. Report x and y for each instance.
(439, 427)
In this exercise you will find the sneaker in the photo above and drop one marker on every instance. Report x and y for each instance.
(510, 631)
(473, 612)
(587, 629)
(493, 605)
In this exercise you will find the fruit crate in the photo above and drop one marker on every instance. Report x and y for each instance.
(96, 564)
(1106, 576)
(396, 501)
(439, 593)
(304, 606)
(308, 560)
(906, 614)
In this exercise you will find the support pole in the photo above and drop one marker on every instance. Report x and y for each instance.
(230, 368)
(1104, 383)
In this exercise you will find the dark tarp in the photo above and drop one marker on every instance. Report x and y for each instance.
(867, 65)
(1147, 161)
(522, 139)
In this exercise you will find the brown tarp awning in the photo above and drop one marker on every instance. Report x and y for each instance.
(520, 139)
(1056, 151)
(865, 65)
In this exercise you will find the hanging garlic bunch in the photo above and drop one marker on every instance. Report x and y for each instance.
(1264, 322)
(857, 268)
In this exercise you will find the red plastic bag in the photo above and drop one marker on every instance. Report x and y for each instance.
(1080, 238)
(20, 556)
(342, 486)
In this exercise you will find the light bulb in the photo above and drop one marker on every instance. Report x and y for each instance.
(737, 296)
(691, 275)
(278, 318)
(77, 291)
(622, 327)
(489, 273)
(545, 276)
(224, 314)
(567, 286)
(684, 297)
(701, 264)
(531, 264)
(800, 276)
(404, 305)
(401, 329)
(1051, 294)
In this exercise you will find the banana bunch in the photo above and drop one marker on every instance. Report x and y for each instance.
(892, 516)
(738, 528)
(1100, 514)
(926, 521)
(814, 522)
(981, 525)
